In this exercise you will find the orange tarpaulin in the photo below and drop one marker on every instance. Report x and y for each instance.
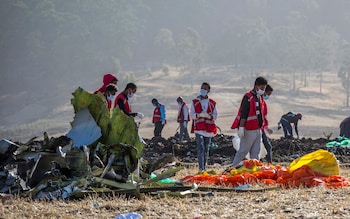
(313, 169)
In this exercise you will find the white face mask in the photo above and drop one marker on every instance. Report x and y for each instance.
(260, 92)
(110, 97)
(203, 92)
(130, 95)
(266, 97)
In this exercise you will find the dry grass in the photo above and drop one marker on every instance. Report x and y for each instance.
(322, 113)
(282, 203)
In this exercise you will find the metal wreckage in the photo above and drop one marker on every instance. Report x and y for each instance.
(102, 153)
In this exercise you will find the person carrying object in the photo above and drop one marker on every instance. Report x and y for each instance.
(249, 121)
(122, 100)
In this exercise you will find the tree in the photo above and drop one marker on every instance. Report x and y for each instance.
(165, 44)
(190, 50)
(344, 71)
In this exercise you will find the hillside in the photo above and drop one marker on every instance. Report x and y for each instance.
(322, 112)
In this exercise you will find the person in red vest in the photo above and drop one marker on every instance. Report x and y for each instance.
(107, 79)
(265, 128)
(159, 117)
(249, 122)
(183, 116)
(203, 113)
(122, 100)
(109, 94)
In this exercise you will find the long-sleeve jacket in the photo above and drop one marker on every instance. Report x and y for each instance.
(291, 118)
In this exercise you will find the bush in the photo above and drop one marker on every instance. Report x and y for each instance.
(165, 70)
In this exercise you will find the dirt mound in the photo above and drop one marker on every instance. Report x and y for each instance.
(222, 152)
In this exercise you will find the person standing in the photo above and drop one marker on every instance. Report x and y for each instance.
(183, 116)
(249, 122)
(286, 121)
(203, 113)
(265, 128)
(159, 117)
(107, 79)
(122, 100)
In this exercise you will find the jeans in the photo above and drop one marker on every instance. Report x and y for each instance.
(202, 150)
(287, 128)
(183, 131)
(268, 147)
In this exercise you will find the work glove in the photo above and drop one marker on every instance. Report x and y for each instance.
(133, 114)
(140, 115)
(163, 122)
(240, 132)
(279, 126)
(204, 115)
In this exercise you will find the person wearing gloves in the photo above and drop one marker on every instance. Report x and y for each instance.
(183, 116)
(249, 122)
(265, 128)
(159, 117)
(108, 78)
(286, 121)
(109, 94)
(122, 100)
(203, 113)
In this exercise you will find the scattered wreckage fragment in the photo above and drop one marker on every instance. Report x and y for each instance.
(102, 152)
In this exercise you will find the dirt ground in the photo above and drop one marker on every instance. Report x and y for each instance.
(322, 113)
(279, 203)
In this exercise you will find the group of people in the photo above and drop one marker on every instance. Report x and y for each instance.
(251, 120)
(109, 89)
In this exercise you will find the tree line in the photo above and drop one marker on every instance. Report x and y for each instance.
(69, 40)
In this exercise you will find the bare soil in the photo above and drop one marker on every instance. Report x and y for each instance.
(322, 113)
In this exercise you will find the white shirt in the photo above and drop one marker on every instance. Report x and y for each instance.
(184, 111)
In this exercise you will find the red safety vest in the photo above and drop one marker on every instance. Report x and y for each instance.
(204, 124)
(125, 101)
(180, 114)
(252, 122)
(156, 114)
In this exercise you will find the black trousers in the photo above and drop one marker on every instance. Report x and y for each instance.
(158, 127)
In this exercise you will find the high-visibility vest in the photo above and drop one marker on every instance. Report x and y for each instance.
(252, 122)
(156, 114)
(180, 115)
(204, 124)
(125, 101)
